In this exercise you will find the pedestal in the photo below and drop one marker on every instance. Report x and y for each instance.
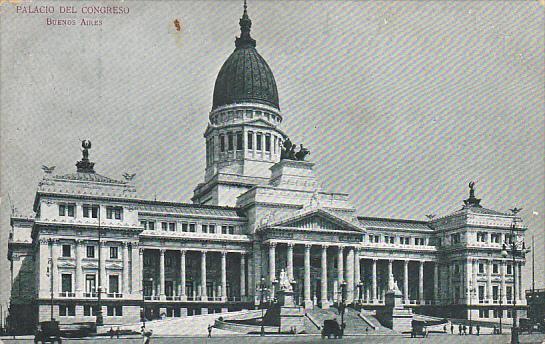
(394, 315)
(292, 317)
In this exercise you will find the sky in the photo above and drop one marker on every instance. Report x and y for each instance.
(401, 103)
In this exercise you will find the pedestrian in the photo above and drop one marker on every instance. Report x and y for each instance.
(478, 328)
(470, 329)
(366, 330)
(451, 328)
(111, 333)
(147, 337)
(460, 329)
(117, 331)
(209, 331)
(465, 329)
(445, 328)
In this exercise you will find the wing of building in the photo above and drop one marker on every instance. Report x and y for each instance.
(258, 212)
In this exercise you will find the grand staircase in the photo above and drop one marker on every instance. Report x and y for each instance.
(355, 324)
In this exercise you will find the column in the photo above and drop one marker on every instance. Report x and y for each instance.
(374, 282)
(448, 285)
(406, 281)
(224, 276)
(340, 267)
(502, 285)
(204, 292)
(136, 276)
(308, 302)
(183, 296)
(350, 275)
(357, 275)
(102, 263)
(421, 282)
(325, 303)
(125, 268)
(141, 267)
(390, 268)
(436, 283)
(79, 269)
(489, 281)
(45, 269)
(242, 274)
(469, 284)
(519, 285)
(290, 261)
(272, 262)
(162, 273)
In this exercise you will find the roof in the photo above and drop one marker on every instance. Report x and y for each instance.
(88, 177)
(384, 223)
(189, 209)
(245, 76)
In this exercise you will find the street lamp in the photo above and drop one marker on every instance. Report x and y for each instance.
(515, 251)
(471, 290)
(262, 288)
(342, 305)
(50, 275)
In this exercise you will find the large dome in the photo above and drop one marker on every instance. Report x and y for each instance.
(245, 76)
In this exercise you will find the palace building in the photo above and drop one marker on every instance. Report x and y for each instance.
(93, 242)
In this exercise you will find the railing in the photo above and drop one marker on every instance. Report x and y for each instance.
(92, 294)
(67, 294)
(148, 297)
(115, 295)
(234, 298)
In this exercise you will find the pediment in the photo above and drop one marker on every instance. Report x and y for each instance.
(318, 220)
(115, 266)
(66, 265)
(90, 266)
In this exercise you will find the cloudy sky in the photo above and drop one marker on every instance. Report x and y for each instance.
(401, 103)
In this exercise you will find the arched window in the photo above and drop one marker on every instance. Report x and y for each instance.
(222, 143)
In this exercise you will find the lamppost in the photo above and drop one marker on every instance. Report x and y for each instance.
(262, 288)
(515, 251)
(99, 318)
(501, 309)
(471, 290)
(50, 275)
(342, 305)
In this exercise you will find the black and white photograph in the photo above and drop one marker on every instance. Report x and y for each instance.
(251, 171)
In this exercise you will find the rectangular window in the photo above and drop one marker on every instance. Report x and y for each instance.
(212, 228)
(62, 310)
(90, 283)
(192, 228)
(172, 226)
(88, 310)
(66, 283)
(509, 293)
(509, 269)
(204, 228)
(113, 252)
(147, 260)
(495, 292)
(250, 140)
(90, 211)
(222, 143)
(223, 229)
(495, 268)
(239, 141)
(184, 227)
(114, 213)
(258, 141)
(113, 284)
(151, 225)
(481, 293)
(231, 230)
(110, 311)
(481, 268)
(230, 141)
(495, 238)
(90, 251)
(71, 210)
(267, 143)
(66, 250)
(114, 311)
(62, 210)
(164, 226)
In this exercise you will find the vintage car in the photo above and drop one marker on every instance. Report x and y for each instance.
(418, 329)
(331, 328)
(48, 332)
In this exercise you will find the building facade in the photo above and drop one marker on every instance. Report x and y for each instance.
(92, 241)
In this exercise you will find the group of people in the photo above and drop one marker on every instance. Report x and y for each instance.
(462, 329)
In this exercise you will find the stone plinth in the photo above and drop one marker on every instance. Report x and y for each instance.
(292, 317)
(294, 175)
(394, 315)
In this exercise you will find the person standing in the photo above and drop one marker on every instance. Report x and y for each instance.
(209, 331)
(451, 328)
(460, 329)
(478, 328)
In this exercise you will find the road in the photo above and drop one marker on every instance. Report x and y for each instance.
(433, 339)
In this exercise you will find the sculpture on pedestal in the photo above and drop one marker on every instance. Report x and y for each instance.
(288, 151)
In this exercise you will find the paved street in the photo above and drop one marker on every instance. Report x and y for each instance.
(434, 339)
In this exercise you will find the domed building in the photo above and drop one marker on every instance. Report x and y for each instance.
(94, 251)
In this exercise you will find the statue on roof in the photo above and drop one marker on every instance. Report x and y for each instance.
(84, 165)
(86, 145)
(472, 200)
(288, 152)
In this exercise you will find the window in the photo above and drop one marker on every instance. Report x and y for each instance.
(509, 293)
(250, 140)
(164, 226)
(90, 251)
(223, 229)
(114, 213)
(212, 228)
(231, 230)
(222, 143)
(192, 227)
(90, 211)
(419, 241)
(456, 268)
(172, 226)
(230, 142)
(495, 292)
(495, 238)
(66, 250)
(184, 227)
(67, 310)
(149, 225)
(239, 141)
(495, 269)
(389, 239)
(498, 313)
(481, 268)
(113, 284)
(90, 283)
(168, 261)
(481, 236)
(481, 293)
(89, 310)
(258, 141)
(268, 143)
(66, 283)
(147, 260)
(508, 238)
(405, 240)
(114, 252)
(455, 238)
(483, 313)
(67, 210)
(204, 228)
(114, 311)
(509, 269)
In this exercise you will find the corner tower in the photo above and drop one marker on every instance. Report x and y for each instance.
(242, 138)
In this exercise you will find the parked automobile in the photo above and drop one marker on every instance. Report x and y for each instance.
(331, 328)
(418, 329)
(48, 332)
